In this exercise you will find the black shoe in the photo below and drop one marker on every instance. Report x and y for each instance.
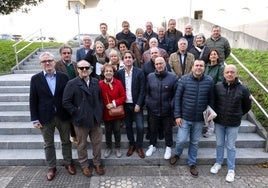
(147, 136)
(161, 135)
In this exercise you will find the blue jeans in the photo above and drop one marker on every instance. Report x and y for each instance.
(230, 134)
(195, 131)
(138, 118)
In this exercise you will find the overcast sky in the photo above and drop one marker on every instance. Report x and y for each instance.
(55, 19)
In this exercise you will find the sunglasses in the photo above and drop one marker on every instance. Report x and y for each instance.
(82, 68)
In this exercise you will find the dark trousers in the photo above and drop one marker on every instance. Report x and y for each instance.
(48, 131)
(113, 127)
(138, 118)
(164, 122)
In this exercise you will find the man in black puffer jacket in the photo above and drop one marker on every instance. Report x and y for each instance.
(160, 90)
(232, 101)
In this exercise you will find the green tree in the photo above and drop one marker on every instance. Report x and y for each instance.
(9, 6)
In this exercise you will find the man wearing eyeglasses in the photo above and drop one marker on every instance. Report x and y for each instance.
(47, 112)
(69, 67)
(82, 99)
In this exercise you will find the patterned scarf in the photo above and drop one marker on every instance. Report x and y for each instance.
(109, 83)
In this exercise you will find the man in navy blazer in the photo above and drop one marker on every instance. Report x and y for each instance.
(82, 52)
(47, 113)
(134, 82)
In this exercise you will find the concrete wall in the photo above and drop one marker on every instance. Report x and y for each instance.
(237, 39)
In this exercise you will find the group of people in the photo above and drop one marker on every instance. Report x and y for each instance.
(175, 76)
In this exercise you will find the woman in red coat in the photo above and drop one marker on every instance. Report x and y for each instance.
(113, 95)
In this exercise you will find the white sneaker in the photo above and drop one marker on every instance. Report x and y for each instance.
(107, 152)
(150, 151)
(216, 167)
(230, 176)
(167, 153)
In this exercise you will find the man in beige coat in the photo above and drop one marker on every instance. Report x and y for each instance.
(181, 62)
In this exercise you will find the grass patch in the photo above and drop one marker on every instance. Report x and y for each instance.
(257, 63)
(7, 54)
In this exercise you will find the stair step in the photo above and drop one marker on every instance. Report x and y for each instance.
(36, 157)
(15, 80)
(13, 89)
(15, 116)
(30, 67)
(27, 128)
(34, 71)
(249, 140)
(14, 106)
(14, 97)
(18, 128)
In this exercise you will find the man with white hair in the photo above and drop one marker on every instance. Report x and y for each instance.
(153, 42)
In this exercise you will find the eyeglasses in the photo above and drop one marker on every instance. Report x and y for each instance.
(47, 61)
(82, 68)
(66, 53)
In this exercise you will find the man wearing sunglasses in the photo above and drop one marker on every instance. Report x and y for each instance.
(69, 67)
(47, 112)
(82, 99)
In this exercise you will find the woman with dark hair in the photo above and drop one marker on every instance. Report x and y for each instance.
(214, 67)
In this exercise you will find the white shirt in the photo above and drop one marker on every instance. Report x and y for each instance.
(128, 81)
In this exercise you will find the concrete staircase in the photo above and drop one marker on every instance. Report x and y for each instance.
(22, 144)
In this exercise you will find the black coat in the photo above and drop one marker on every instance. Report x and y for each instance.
(160, 92)
(82, 102)
(43, 105)
(231, 103)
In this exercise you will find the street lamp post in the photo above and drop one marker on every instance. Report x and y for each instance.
(77, 11)
(76, 5)
(190, 11)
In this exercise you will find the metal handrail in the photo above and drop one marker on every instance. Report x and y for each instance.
(24, 47)
(260, 84)
(251, 75)
(253, 99)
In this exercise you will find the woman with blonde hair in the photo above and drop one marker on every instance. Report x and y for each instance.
(97, 59)
(115, 59)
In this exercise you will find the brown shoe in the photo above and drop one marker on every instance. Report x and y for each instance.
(99, 169)
(174, 159)
(87, 172)
(71, 169)
(51, 173)
(140, 153)
(131, 150)
(193, 171)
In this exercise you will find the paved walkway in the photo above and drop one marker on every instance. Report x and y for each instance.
(134, 177)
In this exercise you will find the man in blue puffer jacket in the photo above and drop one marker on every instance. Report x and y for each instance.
(194, 93)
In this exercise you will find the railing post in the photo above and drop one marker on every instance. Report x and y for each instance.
(42, 41)
(16, 56)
